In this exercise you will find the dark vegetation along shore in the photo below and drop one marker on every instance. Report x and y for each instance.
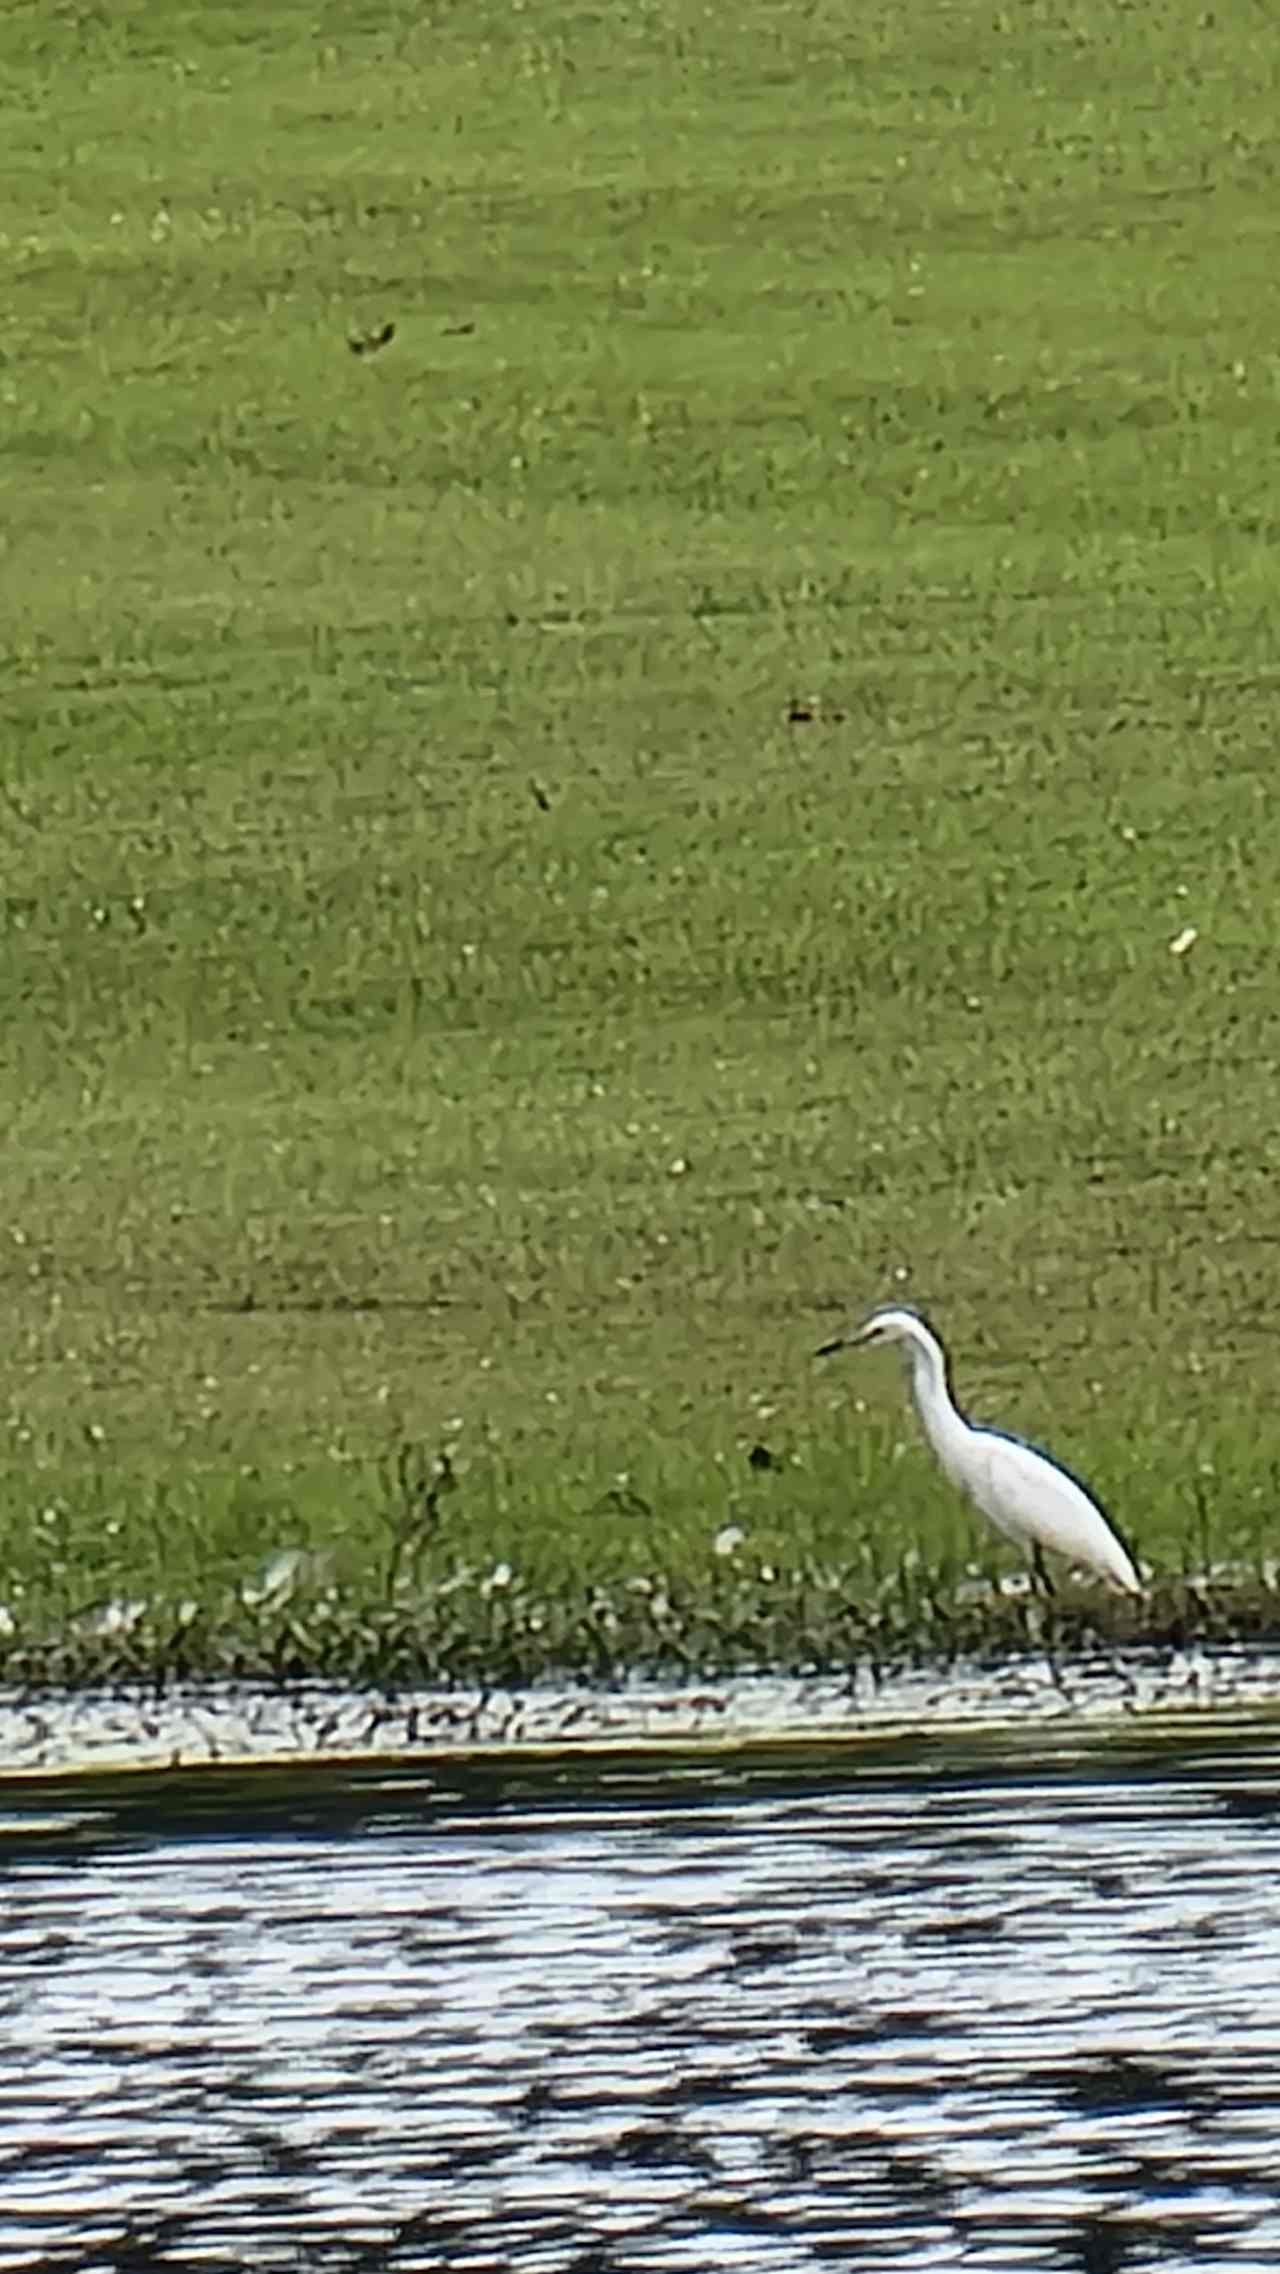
(724, 771)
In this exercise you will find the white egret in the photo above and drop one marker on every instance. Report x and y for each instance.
(1027, 1496)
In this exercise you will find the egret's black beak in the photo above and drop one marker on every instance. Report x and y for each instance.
(827, 1349)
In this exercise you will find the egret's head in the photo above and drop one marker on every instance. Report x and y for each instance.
(888, 1324)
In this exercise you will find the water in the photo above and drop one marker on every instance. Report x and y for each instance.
(1001, 2000)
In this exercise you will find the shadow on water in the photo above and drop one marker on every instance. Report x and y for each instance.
(1003, 2001)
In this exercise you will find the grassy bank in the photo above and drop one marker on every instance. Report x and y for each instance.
(547, 861)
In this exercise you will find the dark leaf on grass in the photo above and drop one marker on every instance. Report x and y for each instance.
(368, 343)
(809, 710)
(621, 1502)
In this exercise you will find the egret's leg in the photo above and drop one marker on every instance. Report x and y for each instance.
(1043, 1623)
(1040, 1571)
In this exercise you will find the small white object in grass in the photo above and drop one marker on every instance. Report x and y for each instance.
(1025, 1495)
(728, 1539)
(118, 1616)
(277, 1577)
(1185, 940)
(1014, 1583)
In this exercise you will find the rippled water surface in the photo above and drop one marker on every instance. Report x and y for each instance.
(1001, 2002)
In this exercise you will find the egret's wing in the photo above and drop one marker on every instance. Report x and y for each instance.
(1037, 1503)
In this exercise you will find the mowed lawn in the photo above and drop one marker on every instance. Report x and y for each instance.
(724, 772)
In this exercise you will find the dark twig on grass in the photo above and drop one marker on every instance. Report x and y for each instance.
(414, 1482)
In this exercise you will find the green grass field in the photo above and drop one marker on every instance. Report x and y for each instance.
(546, 864)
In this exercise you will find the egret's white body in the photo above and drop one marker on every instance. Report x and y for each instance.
(1025, 1494)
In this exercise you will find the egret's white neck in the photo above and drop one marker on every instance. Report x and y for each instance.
(942, 1424)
